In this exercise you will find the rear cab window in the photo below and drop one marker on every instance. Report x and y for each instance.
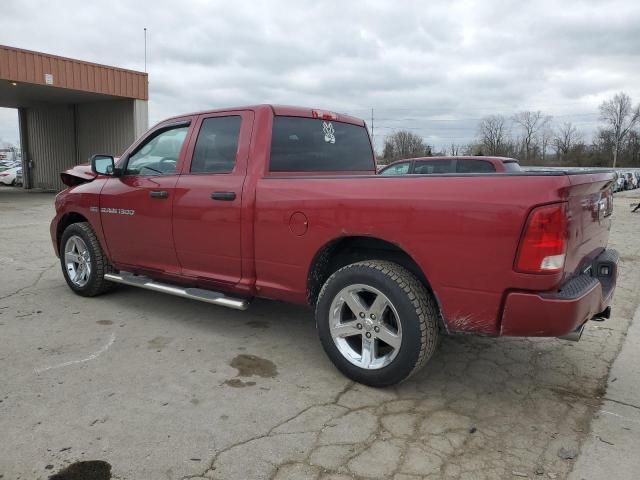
(300, 144)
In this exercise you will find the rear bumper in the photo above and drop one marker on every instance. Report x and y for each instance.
(558, 313)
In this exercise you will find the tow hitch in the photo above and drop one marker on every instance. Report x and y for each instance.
(575, 335)
(603, 315)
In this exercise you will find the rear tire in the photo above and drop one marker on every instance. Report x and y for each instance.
(377, 322)
(83, 261)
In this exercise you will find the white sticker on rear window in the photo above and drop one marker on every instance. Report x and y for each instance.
(329, 132)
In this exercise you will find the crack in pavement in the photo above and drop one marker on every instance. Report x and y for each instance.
(620, 402)
(269, 433)
(33, 284)
(483, 408)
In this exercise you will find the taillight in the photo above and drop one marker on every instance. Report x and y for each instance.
(544, 244)
(608, 198)
(323, 115)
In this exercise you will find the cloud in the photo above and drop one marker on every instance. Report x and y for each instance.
(433, 67)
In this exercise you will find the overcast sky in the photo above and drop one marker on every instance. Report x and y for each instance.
(432, 67)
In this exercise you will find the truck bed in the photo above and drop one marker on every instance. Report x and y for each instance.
(462, 230)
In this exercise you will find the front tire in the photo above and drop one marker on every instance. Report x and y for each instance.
(83, 261)
(377, 322)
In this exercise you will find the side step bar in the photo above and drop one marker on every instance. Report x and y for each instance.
(208, 296)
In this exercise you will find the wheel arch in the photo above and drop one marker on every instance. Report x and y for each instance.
(67, 219)
(342, 251)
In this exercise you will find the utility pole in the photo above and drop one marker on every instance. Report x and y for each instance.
(145, 49)
(372, 137)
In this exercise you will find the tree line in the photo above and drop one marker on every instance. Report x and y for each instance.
(536, 139)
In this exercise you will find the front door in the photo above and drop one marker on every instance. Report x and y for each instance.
(135, 208)
(207, 209)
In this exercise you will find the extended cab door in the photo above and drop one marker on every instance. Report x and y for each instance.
(135, 208)
(207, 209)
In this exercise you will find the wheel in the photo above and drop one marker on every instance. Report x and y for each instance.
(377, 322)
(83, 261)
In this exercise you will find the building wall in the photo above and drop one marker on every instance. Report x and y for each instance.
(140, 117)
(61, 136)
(51, 144)
(104, 127)
(43, 69)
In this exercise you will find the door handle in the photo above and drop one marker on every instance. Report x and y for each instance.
(224, 196)
(159, 194)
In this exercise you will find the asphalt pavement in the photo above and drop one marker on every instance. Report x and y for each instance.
(138, 385)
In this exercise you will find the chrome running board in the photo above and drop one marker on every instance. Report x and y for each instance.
(208, 296)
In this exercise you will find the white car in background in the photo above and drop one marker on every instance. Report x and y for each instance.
(11, 176)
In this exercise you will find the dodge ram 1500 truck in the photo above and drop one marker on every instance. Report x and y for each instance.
(284, 203)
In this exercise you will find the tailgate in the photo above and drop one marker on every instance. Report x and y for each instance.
(590, 204)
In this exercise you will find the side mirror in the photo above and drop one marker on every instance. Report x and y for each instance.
(103, 164)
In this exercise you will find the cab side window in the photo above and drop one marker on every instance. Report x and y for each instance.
(397, 169)
(217, 145)
(159, 154)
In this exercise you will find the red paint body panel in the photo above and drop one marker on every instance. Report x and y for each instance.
(144, 238)
(83, 202)
(532, 314)
(206, 232)
(77, 175)
(465, 246)
(463, 231)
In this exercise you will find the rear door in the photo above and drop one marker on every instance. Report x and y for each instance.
(207, 209)
(135, 208)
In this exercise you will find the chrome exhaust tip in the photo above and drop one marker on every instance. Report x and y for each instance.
(575, 335)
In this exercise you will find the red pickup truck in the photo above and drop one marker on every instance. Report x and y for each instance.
(284, 203)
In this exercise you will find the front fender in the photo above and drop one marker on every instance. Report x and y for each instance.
(78, 204)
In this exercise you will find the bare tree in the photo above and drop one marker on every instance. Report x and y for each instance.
(619, 114)
(404, 144)
(546, 138)
(633, 147)
(493, 134)
(531, 124)
(454, 149)
(565, 138)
